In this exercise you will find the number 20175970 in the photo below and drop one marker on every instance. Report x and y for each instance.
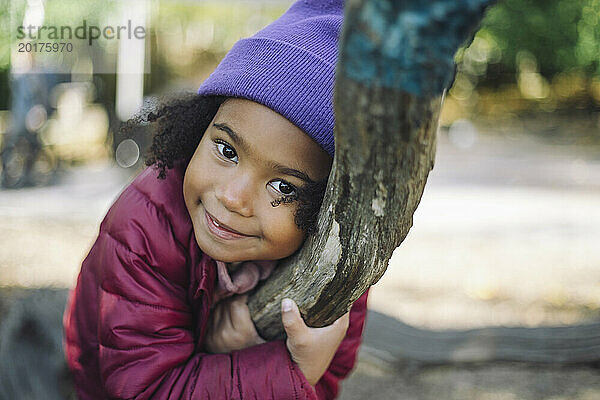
(44, 47)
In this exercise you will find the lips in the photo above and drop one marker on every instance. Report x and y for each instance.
(220, 230)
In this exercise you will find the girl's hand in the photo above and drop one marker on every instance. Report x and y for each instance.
(230, 327)
(311, 348)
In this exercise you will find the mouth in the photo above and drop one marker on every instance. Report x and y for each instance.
(221, 230)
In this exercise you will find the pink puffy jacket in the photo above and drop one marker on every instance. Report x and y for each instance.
(135, 322)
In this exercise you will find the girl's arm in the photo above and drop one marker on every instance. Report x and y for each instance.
(146, 346)
(230, 327)
(147, 343)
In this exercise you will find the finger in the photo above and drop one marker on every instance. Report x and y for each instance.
(259, 339)
(240, 316)
(240, 299)
(226, 318)
(339, 326)
(217, 314)
(292, 320)
(242, 321)
(343, 322)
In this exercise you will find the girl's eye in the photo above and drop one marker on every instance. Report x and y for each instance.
(227, 151)
(283, 187)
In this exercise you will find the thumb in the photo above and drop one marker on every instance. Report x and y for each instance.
(291, 318)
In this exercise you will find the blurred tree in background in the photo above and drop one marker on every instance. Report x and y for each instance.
(531, 55)
(551, 31)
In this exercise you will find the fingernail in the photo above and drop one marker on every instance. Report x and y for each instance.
(286, 305)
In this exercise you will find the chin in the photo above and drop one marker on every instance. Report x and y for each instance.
(217, 253)
(226, 258)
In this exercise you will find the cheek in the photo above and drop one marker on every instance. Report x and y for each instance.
(281, 232)
(198, 175)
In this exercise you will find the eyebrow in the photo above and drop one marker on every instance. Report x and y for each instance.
(243, 144)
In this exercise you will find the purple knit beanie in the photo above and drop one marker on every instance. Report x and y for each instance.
(289, 66)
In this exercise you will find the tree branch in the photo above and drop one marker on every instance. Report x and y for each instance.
(395, 62)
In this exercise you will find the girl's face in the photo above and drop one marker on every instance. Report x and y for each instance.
(248, 157)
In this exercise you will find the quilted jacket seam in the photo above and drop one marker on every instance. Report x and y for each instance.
(133, 348)
(156, 307)
(160, 210)
(139, 256)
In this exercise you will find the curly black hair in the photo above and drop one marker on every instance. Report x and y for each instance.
(179, 123)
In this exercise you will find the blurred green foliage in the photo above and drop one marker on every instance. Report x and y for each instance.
(561, 35)
(530, 55)
(546, 29)
(4, 34)
(587, 51)
(190, 38)
(4, 53)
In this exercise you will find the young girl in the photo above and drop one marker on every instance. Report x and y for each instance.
(159, 310)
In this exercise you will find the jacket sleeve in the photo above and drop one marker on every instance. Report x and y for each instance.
(345, 357)
(146, 348)
(146, 340)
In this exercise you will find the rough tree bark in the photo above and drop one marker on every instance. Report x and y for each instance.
(396, 61)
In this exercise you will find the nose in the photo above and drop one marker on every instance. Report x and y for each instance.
(236, 195)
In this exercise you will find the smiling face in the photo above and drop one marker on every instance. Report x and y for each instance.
(250, 157)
